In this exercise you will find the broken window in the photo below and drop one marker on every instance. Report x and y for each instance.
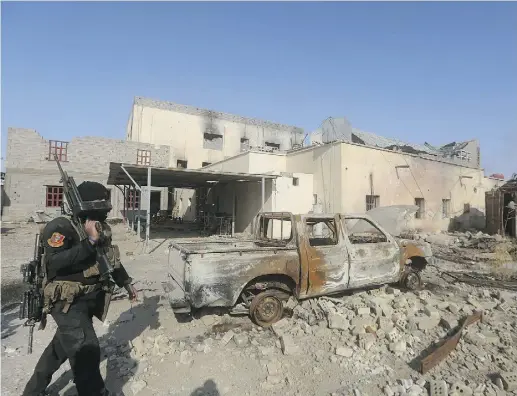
(132, 197)
(466, 208)
(181, 164)
(58, 148)
(446, 208)
(213, 141)
(420, 213)
(245, 144)
(54, 196)
(363, 231)
(203, 164)
(143, 157)
(321, 232)
(372, 201)
(273, 146)
(275, 228)
(296, 181)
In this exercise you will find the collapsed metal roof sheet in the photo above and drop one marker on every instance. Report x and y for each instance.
(176, 177)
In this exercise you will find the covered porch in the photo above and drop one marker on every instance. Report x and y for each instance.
(225, 202)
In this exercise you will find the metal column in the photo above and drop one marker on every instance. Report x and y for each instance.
(233, 212)
(263, 194)
(148, 221)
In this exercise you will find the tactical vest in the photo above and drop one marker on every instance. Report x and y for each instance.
(61, 290)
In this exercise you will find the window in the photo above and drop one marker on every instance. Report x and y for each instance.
(54, 196)
(273, 146)
(372, 201)
(205, 164)
(466, 208)
(181, 164)
(446, 208)
(314, 199)
(245, 144)
(321, 232)
(143, 157)
(275, 229)
(420, 213)
(132, 197)
(58, 148)
(213, 141)
(362, 231)
(296, 181)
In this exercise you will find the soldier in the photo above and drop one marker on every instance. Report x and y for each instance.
(74, 293)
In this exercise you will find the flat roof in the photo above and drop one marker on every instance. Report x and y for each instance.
(176, 177)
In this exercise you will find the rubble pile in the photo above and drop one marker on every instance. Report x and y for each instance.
(469, 247)
(365, 340)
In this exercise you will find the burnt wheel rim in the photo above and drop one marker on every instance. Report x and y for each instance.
(412, 281)
(268, 309)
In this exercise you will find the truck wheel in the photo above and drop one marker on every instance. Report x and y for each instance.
(412, 281)
(266, 308)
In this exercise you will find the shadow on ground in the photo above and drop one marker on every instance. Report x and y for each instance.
(117, 342)
(209, 388)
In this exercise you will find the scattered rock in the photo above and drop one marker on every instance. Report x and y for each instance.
(227, 338)
(241, 340)
(288, 345)
(137, 386)
(338, 322)
(344, 351)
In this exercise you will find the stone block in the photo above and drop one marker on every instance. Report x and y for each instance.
(401, 324)
(362, 311)
(460, 389)
(503, 307)
(398, 347)
(509, 381)
(393, 335)
(431, 312)
(227, 338)
(281, 327)
(288, 346)
(338, 322)
(428, 323)
(274, 368)
(392, 290)
(454, 308)
(366, 341)
(344, 351)
(506, 339)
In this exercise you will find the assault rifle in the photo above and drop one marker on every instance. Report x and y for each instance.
(31, 307)
(77, 207)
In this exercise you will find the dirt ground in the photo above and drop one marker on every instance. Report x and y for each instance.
(327, 346)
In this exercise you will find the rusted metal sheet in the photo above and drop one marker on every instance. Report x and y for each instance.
(449, 345)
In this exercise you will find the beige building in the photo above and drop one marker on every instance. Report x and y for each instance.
(352, 177)
(199, 137)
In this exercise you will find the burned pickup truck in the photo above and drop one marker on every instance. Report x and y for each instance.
(304, 256)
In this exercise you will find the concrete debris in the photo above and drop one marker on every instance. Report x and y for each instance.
(338, 322)
(509, 381)
(281, 327)
(460, 389)
(241, 340)
(344, 351)
(288, 345)
(227, 337)
(137, 386)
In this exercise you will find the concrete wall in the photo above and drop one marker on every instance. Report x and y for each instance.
(183, 127)
(428, 179)
(325, 163)
(280, 195)
(343, 174)
(29, 171)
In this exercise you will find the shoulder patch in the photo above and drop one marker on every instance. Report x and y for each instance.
(56, 240)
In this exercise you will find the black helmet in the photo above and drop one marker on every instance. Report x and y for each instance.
(93, 191)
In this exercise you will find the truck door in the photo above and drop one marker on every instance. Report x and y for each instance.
(326, 255)
(374, 254)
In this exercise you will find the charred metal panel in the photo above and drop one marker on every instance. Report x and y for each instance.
(327, 265)
(218, 280)
(372, 262)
